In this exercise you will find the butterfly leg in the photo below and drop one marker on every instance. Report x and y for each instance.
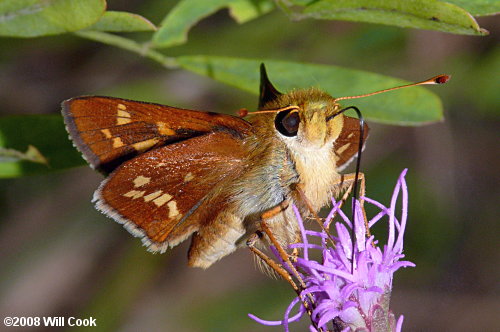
(269, 261)
(264, 228)
(278, 268)
(295, 251)
(269, 214)
(315, 216)
(285, 257)
(266, 215)
(347, 181)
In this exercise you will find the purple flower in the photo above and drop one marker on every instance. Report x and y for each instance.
(352, 294)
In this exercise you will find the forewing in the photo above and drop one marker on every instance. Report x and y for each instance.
(157, 192)
(347, 144)
(109, 131)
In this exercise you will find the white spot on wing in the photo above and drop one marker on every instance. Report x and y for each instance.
(102, 206)
(144, 145)
(152, 196)
(122, 121)
(189, 176)
(163, 129)
(107, 133)
(162, 199)
(117, 142)
(172, 209)
(123, 117)
(134, 194)
(343, 148)
(141, 180)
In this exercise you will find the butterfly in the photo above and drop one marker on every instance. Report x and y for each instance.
(175, 173)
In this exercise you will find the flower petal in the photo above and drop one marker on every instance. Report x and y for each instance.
(352, 283)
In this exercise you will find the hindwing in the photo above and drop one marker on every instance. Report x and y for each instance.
(347, 144)
(156, 192)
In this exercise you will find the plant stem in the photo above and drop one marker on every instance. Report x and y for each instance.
(130, 45)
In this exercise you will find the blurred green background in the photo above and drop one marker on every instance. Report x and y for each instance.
(60, 257)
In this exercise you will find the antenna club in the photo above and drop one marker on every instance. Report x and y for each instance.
(442, 79)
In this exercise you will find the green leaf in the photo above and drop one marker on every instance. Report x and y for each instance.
(412, 106)
(483, 92)
(420, 14)
(175, 26)
(47, 134)
(245, 10)
(478, 7)
(33, 18)
(122, 22)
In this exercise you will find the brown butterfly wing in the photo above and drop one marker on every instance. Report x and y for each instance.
(157, 192)
(347, 144)
(109, 131)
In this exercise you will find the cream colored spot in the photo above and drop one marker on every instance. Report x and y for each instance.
(122, 121)
(162, 200)
(163, 129)
(106, 133)
(152, 196)
(117, 142)
(123, 114)
(144, 145)
(350, 135)
(172, 209)
(134, 194)
(343, 148)
(123, 117)
(189, 176)
(141, 180)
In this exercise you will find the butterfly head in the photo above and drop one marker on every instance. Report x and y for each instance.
(307, 118)
(310, 118)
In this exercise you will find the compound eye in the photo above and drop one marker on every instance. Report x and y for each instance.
(287, 122)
